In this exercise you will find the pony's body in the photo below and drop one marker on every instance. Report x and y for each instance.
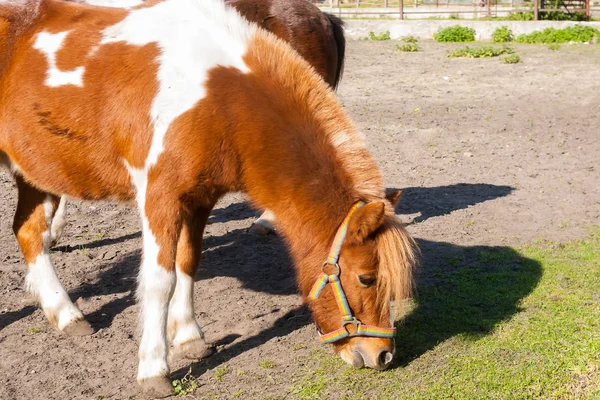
(174, 104)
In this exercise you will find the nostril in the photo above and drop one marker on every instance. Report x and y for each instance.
(385, 359)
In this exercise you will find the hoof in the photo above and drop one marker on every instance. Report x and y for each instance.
(261, 230)
(156, 387)
(194, 350)
(79, 327)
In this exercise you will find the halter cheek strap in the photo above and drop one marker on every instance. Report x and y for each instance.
(333, 278)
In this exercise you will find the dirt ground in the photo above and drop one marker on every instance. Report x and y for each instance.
(488, 154)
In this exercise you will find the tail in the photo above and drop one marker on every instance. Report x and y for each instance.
(340, 41)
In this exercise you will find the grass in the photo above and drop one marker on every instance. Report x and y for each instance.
(554, 46)
(455, 33)
(186, 385)
(502, 34)
(480, 52)
(378, 36)
(511, 59)
(407, 47)
(267, 364)
(34, 331)
(576, 34)
(499, 323)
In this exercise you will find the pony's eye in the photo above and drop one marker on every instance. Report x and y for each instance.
(367, 280)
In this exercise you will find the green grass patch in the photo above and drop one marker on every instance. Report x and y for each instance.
(553, 46)
(576, 34)
(409, 39)
(34, 331)
(497, 323)
(511, 59)
(267, 364)
(480, 52)
(502, 34)
(455, 33)
(378, 36)
(407, 47)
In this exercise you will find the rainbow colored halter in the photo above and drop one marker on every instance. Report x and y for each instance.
(360, 329)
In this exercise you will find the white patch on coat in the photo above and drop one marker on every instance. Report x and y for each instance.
(49, 44)
(193, 37)
(115, 3)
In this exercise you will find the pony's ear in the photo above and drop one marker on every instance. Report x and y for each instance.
(365, 221)
(393, 195)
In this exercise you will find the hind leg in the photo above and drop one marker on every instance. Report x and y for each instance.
(58, 222)
(264, 225)
(31, 226)
(183, 329)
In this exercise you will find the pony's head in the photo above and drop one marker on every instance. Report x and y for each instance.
(370, 265)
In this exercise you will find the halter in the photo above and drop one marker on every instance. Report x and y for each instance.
(333, 278)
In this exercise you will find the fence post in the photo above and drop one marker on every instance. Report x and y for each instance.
(587, 10)
(401, 9)
(536, 7)
(489, 8)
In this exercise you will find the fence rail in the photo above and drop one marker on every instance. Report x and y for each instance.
(474, 8)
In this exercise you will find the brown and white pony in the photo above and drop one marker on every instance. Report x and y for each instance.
(317, 36)
(172, 104)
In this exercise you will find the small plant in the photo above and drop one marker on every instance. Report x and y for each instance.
(410, 39)
(554, 46)
(33, 331)
(576, 34)
(378, 36)
(455, 33)
(267, 364)
(502, 34)
(408, 47)
(480, 52)
(186, 385)
(220, 372)
(511, 59)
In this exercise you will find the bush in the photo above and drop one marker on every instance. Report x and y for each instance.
(520, 16)
(502, 34)
(408, 47)
(577, 34)
(381, 36)
(511, 59)
(480, 52)
(410, 39)
(455, 33)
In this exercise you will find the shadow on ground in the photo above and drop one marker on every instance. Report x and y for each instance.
(460, 290)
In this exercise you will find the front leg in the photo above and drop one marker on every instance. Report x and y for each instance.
(160, 227)
(183, 329)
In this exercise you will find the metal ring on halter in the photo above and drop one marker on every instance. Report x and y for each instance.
(354, 322)
(336, 265)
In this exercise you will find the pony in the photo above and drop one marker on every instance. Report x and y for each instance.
(317, 36)
(172, 104)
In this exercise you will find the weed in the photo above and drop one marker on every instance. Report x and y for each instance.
(238, 393)
(554, 46)
(267, 364)
(220, 372)
(410, 39)
(502, 34)
(186, 385)
(480, 52)
(378, 36)
(576, 34)
(511, 59)
(455, 33)
(33, 331)
(408, 47)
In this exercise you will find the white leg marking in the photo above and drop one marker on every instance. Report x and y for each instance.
(155, 288)
(49, 44)
(43, 283)
(59, 221)
(267, 220)
(183, 326)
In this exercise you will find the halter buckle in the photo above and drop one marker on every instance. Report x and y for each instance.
(336, 265)
(354, 322)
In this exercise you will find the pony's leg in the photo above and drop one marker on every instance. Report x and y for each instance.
(58, 222)
(183, 329)
(161, 221)
(265, 224)
(35, 210)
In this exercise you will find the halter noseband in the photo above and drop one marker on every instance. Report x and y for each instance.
(333, 278)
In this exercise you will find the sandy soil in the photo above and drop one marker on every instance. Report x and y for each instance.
(487, 154)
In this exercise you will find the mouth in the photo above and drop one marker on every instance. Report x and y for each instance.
(358, 359)
(353, 358)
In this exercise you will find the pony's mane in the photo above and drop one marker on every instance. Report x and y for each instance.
(398, 253)
(318, 102)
